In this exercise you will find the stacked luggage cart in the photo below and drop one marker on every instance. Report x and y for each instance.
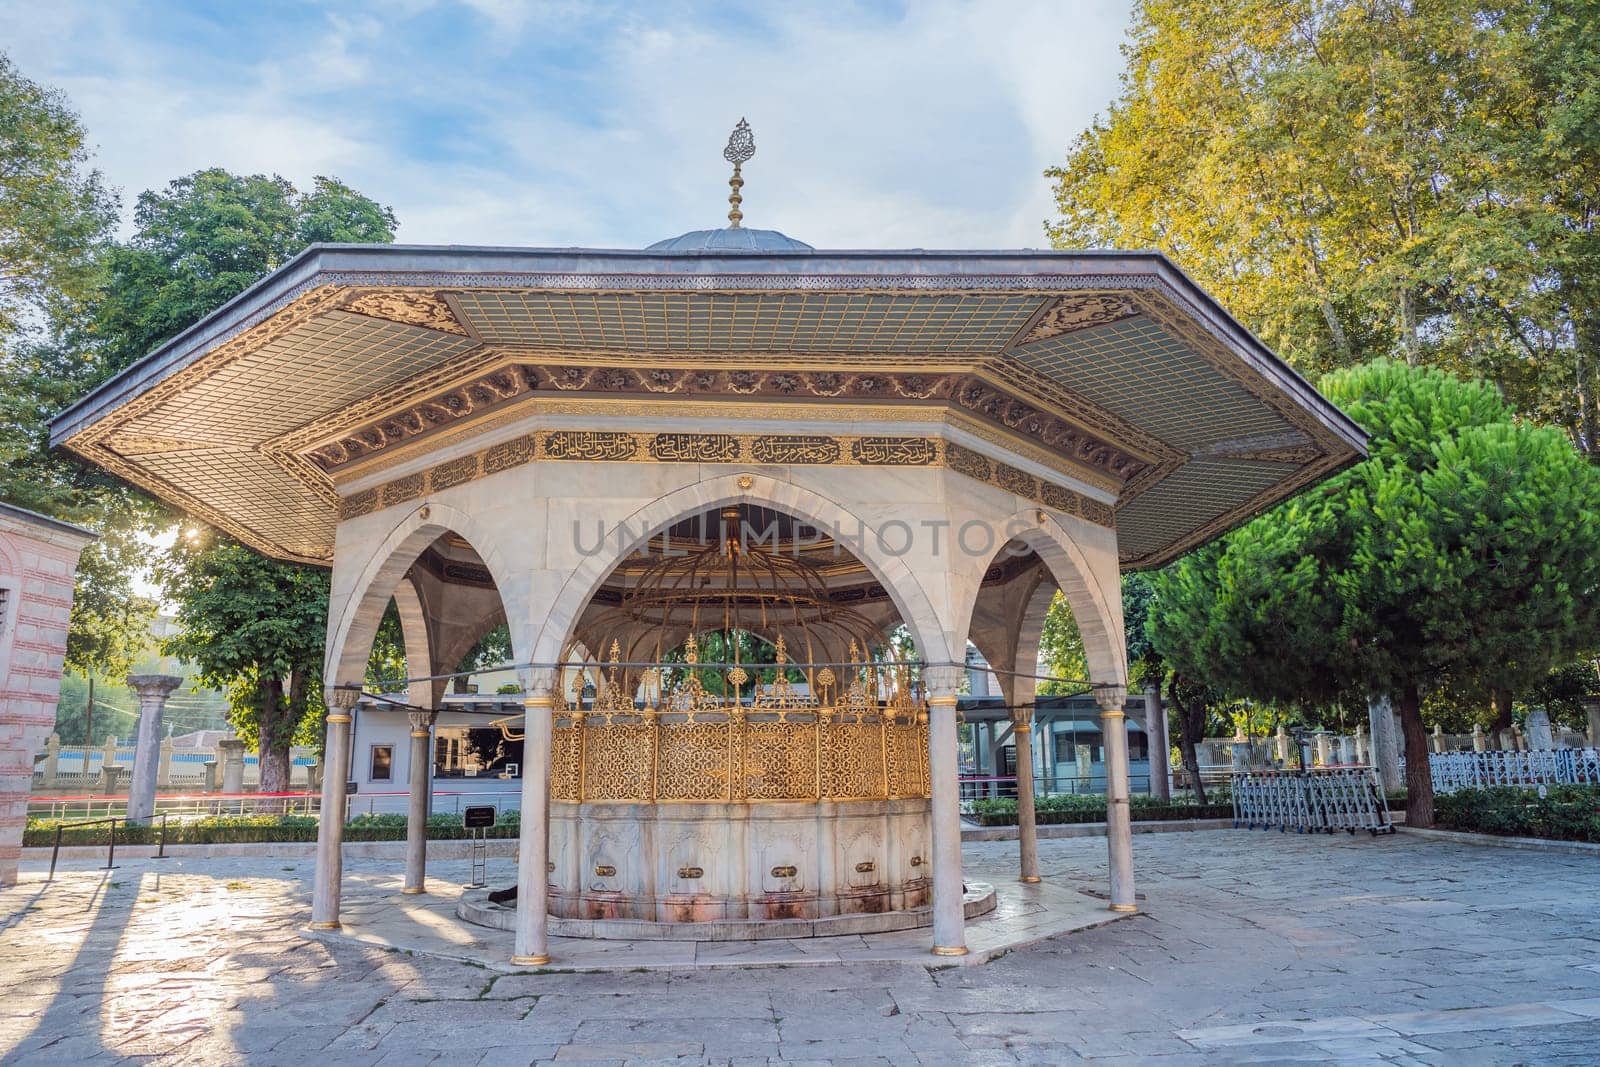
(1340, 798)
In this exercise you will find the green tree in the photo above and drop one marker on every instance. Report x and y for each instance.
(1061, 651)
(109, 628)
(55, 221)
(1466, 547)
(1359, 178)
(387, 665)
(255, 628)
(206, 238)
(54, 210)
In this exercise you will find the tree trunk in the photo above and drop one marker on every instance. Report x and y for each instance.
(1502, 713)
(1419, 776)
(272, 745)
(1191, 730)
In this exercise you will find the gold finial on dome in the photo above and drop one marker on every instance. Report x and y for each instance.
(741, 146)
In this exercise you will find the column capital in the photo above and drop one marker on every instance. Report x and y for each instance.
(942, 681)
(159, 686)
(421, 721)
(341, 698)
(1111, 698)
(539, 681)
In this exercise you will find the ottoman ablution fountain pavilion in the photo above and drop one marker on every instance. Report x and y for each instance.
(742, 505)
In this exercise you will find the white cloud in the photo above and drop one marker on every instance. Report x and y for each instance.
(552, 124)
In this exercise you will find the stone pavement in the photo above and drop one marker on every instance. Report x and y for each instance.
(1254, 947)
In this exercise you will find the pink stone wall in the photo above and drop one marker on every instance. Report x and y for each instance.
(37, 560)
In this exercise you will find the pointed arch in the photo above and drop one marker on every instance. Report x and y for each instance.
(353, 619)
(1092, 590)
(910, 600)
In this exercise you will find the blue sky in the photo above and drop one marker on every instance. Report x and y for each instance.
(496, 122)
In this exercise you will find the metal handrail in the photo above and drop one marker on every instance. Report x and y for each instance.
(111, 840)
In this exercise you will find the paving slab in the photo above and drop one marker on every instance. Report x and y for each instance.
(1250, 948)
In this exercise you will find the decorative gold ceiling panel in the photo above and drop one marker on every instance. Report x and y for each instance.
(1196, 494)
(749, 322)
(1135, 386)
(328, 362)
(1142, 374)
(244, 483)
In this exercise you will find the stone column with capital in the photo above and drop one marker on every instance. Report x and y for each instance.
(1480, 743)
(1119, 821)
(152, 690)
(949, 919)
(532, 948)
(1155, 728)
(420, 778)
(1591, 705)
(1027, 824)
(330, 823)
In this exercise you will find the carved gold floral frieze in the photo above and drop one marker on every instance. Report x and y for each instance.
(618, 446)
(1080, 311)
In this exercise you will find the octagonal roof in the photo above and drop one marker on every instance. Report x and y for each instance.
(1109, 369)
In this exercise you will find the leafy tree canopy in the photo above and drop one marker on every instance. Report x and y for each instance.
(1355, 179)
(54, 210)
(1465, 549)
(254, 627)
(209, 236)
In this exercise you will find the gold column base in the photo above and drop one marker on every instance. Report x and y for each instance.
(1125, 907)
(530, 961)
(949, 950)
(333, 925)
(1030, 879)
(410, 892)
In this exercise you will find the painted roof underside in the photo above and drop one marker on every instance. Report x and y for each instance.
(1116, 360)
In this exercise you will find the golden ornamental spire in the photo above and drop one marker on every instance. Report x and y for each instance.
(741, 146)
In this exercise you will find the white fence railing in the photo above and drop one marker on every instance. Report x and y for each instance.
(1453, 771)
(1345, 798)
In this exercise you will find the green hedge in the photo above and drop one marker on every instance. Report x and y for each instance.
(257, 829)
(1087, 808)
(1565, 813)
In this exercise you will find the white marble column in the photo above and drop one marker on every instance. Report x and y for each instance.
(153, 690)
(532, 947)
(949, 919)
(1119, 823)
(1027, 826)
(420, 778)
(1155, 728)
(330, 823)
